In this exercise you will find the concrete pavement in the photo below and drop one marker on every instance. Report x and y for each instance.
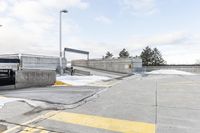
(147, 104)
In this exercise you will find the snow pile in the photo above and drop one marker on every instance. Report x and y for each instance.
(69, 64)
(80, 80)
(169, 72)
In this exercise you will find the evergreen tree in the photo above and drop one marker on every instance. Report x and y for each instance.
(157, 58)
(124, 53)
(108, 55)
(146, 56)
(151, 57)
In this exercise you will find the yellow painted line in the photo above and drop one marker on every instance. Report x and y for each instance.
(34, 129)
(29, 130)
(44, 131)
(123, 126)
(44, 116)
(60, 83)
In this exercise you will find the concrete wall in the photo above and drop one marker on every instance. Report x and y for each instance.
(40, 62)
(13, 66)
(32, 62)
(187, 68)
(32, 78)
(121, 65)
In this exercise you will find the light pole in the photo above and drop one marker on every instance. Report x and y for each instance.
(60, 40)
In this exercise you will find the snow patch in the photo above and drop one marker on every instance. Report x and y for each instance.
(5, 100)
(169, 72)
(81, 80)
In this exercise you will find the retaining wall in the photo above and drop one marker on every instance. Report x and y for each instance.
(122, 65)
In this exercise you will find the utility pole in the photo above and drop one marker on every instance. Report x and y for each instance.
(60, 41)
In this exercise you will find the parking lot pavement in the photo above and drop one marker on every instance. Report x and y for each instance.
(20, 106)
(138, 104)
(178, 105)
(55, 95)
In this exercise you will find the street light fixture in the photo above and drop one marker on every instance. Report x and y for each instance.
(60, 39)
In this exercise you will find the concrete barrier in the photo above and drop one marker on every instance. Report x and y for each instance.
(186, 68)
(32, 78)
(121, 65)
(28, 61)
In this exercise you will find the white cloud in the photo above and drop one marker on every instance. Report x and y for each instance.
(103, 19)
(176, 47)
(3, 6)
(173, 38)
(139, 6)
(29, 11)
(65, 3)
(31, 26)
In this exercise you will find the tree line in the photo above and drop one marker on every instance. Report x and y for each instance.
(149, 56)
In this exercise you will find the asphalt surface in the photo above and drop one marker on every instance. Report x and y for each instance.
(142, 104)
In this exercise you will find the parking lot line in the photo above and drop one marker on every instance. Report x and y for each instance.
(43, 116)
(29, 130)
(60, 83)
(123, 126)
(33, 129)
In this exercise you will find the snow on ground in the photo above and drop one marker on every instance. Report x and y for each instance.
(169, 72)
(80, 80)
(69, 64)
(4, 100)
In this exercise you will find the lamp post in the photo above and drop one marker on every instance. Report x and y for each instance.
(60, 40)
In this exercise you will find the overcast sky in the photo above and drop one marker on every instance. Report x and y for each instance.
(173, 26)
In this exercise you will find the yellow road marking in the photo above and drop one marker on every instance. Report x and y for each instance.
(44, 116)
(34, 129)
(43, 131)
(29, 130)
(123, 126)
(60, 83)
